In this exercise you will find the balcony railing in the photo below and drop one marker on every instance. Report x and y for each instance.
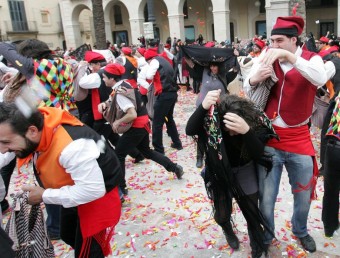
(21, 27)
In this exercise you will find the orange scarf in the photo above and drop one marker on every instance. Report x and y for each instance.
(53, 118)
(97, 218)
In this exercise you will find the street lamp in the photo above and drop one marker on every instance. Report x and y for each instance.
(257, 3)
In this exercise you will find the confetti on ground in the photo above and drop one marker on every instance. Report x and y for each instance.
(166, 217)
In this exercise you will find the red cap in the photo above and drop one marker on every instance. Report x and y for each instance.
(289, 26)
(324, 39)
(150, 53)
(126, 50)
(114, 69)
(141, 50)
(94, 57)
(260, 43)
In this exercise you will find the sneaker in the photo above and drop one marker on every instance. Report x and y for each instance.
(308, 243)
(179, 171)
(175, 146)
(329, 233)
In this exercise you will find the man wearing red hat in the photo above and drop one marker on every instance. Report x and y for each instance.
(139, 55)
(323, 43)
(257, 48)
(98, 92)
(72, 171)
(130, 63)
(127, 107)
(161, 73)
(289, 106)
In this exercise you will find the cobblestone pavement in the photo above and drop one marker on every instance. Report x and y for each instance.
(166, 217)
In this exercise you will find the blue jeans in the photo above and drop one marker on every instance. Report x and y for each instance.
(53, 219)
(300, 171)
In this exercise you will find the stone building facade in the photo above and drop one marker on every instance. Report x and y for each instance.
(70, 22)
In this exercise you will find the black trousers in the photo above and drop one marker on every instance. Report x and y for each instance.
(330, 201)
(70, 233)
(163, 113)
(139, 138)
(105, 129)
(200, 148)
(6, 173)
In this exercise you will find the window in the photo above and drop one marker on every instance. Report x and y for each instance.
(146, 13)
(321, 3)
(232, 32)
(45, 17)
(185, 10)
(213, 31)
(263, 6)
(156, 33)
(118, 15)
(189, 34)
(260, 29)
(18, 15)
(328, 2)
(326, 26)
(121, 37)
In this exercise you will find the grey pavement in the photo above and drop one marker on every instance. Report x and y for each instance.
(166, 217)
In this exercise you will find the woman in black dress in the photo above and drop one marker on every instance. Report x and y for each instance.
(234, 134)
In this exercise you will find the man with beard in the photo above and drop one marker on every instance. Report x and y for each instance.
(72, 170)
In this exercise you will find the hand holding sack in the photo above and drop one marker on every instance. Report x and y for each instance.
(27, 229)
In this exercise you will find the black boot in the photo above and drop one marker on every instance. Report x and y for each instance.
(230, 236)
(200, 154)
(257, 249)
(199, 162)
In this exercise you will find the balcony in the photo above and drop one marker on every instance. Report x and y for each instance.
(19, 27)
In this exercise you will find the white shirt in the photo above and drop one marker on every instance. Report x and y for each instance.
(141, 79)
(330, 69)
(152, 69)
(90, 81)
(123, 102)
(79, 159)
(141, 62)
(313, 70)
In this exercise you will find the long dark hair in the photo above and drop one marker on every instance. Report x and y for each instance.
(240, 106)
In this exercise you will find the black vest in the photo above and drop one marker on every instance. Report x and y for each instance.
(108, 161)
(167, 75)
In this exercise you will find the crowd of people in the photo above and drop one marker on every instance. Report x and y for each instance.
(75, 120)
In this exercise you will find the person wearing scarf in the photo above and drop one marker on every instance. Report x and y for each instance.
(36, 63)
(234, 133)
(51, 78)
(289, 106)
(72, 171)
(126, 107)
(330, 160)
